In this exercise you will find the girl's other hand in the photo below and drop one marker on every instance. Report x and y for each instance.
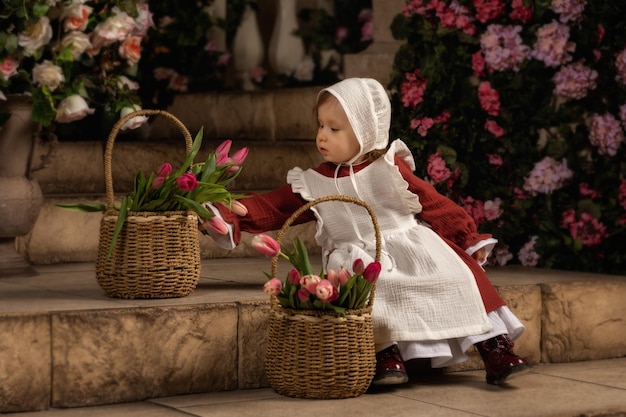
(480, 256)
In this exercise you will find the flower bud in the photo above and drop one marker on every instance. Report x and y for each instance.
(187, 182)
(164, 170)
(240, 156)
(216, 224)
(343, 276)
(326, 292)
(238, 208)
(331, 275)
(221, 152)
(265, 244)
(358, 267)
(294, 277)
(372, 272)
(303, 295)
(273, 287)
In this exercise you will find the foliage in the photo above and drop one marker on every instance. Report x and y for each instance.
(181, 55)
(348, 29)
(516, 110)
(77, 59)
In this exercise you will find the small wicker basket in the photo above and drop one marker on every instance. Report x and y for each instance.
(156, 254)
(319, 353)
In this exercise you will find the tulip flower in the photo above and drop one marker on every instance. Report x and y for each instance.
(294, 277)
(273, 287)
(221, 153)
(187, 182)
(358, 267)
(303, 295)
(310, 282)
(331, 275)
(164, 170)
(240, 156)
(216, 224)
(238, 208)
(326, 292)
(265, 244)
(157, 182)
(343, 276)
(372, 272)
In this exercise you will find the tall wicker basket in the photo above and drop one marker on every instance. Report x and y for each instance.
(156, 254)
(319, 353)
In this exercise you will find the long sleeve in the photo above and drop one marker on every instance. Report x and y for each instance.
(446, 218)
(266, 212)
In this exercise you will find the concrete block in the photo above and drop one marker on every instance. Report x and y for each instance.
(24, 362)
(115, 356)
(583, 320)
(252, 344)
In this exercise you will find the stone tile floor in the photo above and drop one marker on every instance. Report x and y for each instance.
(583, 389)
(72, 286)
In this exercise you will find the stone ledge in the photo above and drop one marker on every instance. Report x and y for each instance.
(272, 115)
(102, 356)
(77, 168)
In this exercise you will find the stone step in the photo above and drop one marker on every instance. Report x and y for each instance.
(65, 344)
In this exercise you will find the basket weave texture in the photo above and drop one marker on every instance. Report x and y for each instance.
(321, 354)
(156, 254)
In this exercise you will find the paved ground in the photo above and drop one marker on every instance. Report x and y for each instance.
(584, 389)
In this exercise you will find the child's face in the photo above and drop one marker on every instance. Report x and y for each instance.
(335, 138)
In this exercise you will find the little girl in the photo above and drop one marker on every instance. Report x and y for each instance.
(433, 298)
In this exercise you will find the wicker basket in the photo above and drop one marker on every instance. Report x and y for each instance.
(156, 254)
(321, 354)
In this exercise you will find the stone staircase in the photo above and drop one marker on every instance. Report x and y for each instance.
(277, 126)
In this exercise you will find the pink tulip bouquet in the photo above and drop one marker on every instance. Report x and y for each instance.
(303, 289)
(190, 187)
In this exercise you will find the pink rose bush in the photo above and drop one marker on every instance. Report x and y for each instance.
(70, 56)
(533, 142)
(304, 289)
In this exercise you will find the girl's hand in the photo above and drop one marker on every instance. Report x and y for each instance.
(480, 256)
(236, 207)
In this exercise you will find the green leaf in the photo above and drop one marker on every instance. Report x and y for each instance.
(194, 206)
(43, 106)
(120, 223)
(83, 207)
(195, 147)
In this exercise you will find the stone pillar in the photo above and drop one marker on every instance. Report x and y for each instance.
(377, 60)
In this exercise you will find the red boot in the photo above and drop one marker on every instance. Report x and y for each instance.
(390, 369)
(501, 363)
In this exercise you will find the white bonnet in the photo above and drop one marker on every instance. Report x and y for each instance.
(368, 108)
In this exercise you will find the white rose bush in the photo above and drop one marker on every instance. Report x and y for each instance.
(76, 59)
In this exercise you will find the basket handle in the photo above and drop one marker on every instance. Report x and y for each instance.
(312, 203)
(108, 152)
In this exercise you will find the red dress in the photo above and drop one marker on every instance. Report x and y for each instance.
(270, 210)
